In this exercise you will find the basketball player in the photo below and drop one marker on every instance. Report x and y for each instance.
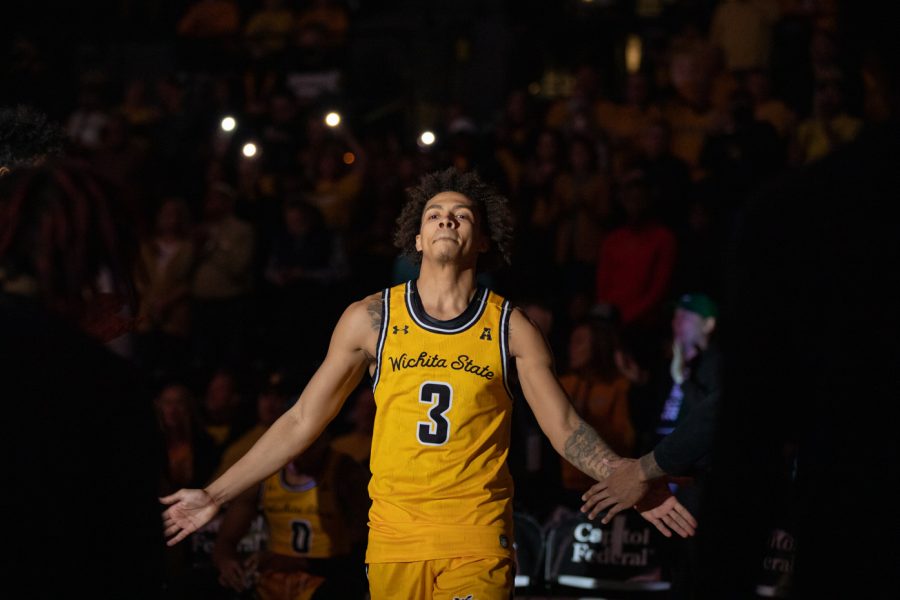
(438, 350)
(315, 511)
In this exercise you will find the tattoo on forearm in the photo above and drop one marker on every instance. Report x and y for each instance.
(375, 311)
(585, 450)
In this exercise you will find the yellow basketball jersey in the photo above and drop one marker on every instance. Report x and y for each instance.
(305, 520)
(440, 486)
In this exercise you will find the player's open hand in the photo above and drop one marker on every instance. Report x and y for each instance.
(624, 487)
(188, 511)
(665, 512)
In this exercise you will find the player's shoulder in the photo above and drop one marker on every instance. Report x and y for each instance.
(521, 325)
(365, 310)
(519, 318)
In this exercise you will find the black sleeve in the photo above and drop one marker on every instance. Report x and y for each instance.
(691, 441)
(688, 448)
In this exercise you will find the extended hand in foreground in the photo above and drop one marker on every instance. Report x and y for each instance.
(628, 486)
(662, 509)
(188, 511)
(624, 487)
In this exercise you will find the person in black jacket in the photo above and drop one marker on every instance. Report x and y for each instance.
(685, 430)
(811, 338)
(80, 442)
(687, 418)
(813, 355)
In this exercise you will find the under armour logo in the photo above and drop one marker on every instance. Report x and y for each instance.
(486, 334)
(404, 329)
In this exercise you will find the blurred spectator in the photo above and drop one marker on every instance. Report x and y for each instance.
(322, 24)
(357, 443)
(829, 126)
(514, 137)
(137, 106)
(192, 457)
(315, 510)
(533, 463)
(191, 451)
(163, 279)
(742, 29)
(222, 410)
(767, 107)
(175, 138)
(575, 114)
(742, 154)
(268, 29)
(119, 154)
(463, 139)
(667, 175)
(636, 260)
(208, 36)
(702, 245)
(694, 365)
(86, 123)
(689, 112)
(210, 19)
(256, 197)
(282, 131)
(271, 401)
(75, 412)
(306, 262)
(535, 241)
(624, 121)
(27, 138)
(338, 180)
(223, 280)
(581, 209)
(599, 393)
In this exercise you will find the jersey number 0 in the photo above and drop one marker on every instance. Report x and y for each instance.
(435, 431)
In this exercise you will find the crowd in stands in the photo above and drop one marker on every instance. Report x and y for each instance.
(626, 186)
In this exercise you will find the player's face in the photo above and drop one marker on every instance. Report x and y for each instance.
(450, 230)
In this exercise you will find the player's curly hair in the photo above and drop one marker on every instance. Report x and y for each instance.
(492, 210)
(27, 135)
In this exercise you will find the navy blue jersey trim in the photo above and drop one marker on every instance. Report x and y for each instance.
(469, 317)
(385, 315)
(504, 344)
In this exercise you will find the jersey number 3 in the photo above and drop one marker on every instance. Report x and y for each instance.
(436, 431)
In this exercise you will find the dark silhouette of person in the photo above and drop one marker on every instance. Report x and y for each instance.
(811, 335)
(79, 439)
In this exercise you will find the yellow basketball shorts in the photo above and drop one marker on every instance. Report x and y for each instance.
(465, 578)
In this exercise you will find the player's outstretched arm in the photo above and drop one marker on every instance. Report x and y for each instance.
(574, 439)
(629, 478)
(293, 432)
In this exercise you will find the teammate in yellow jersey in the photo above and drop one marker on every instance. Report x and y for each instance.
(437, 350)
(315, 512)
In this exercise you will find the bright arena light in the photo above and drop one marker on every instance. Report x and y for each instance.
(228, 124)
(427, 138)
(332, 119)
(249, 150)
